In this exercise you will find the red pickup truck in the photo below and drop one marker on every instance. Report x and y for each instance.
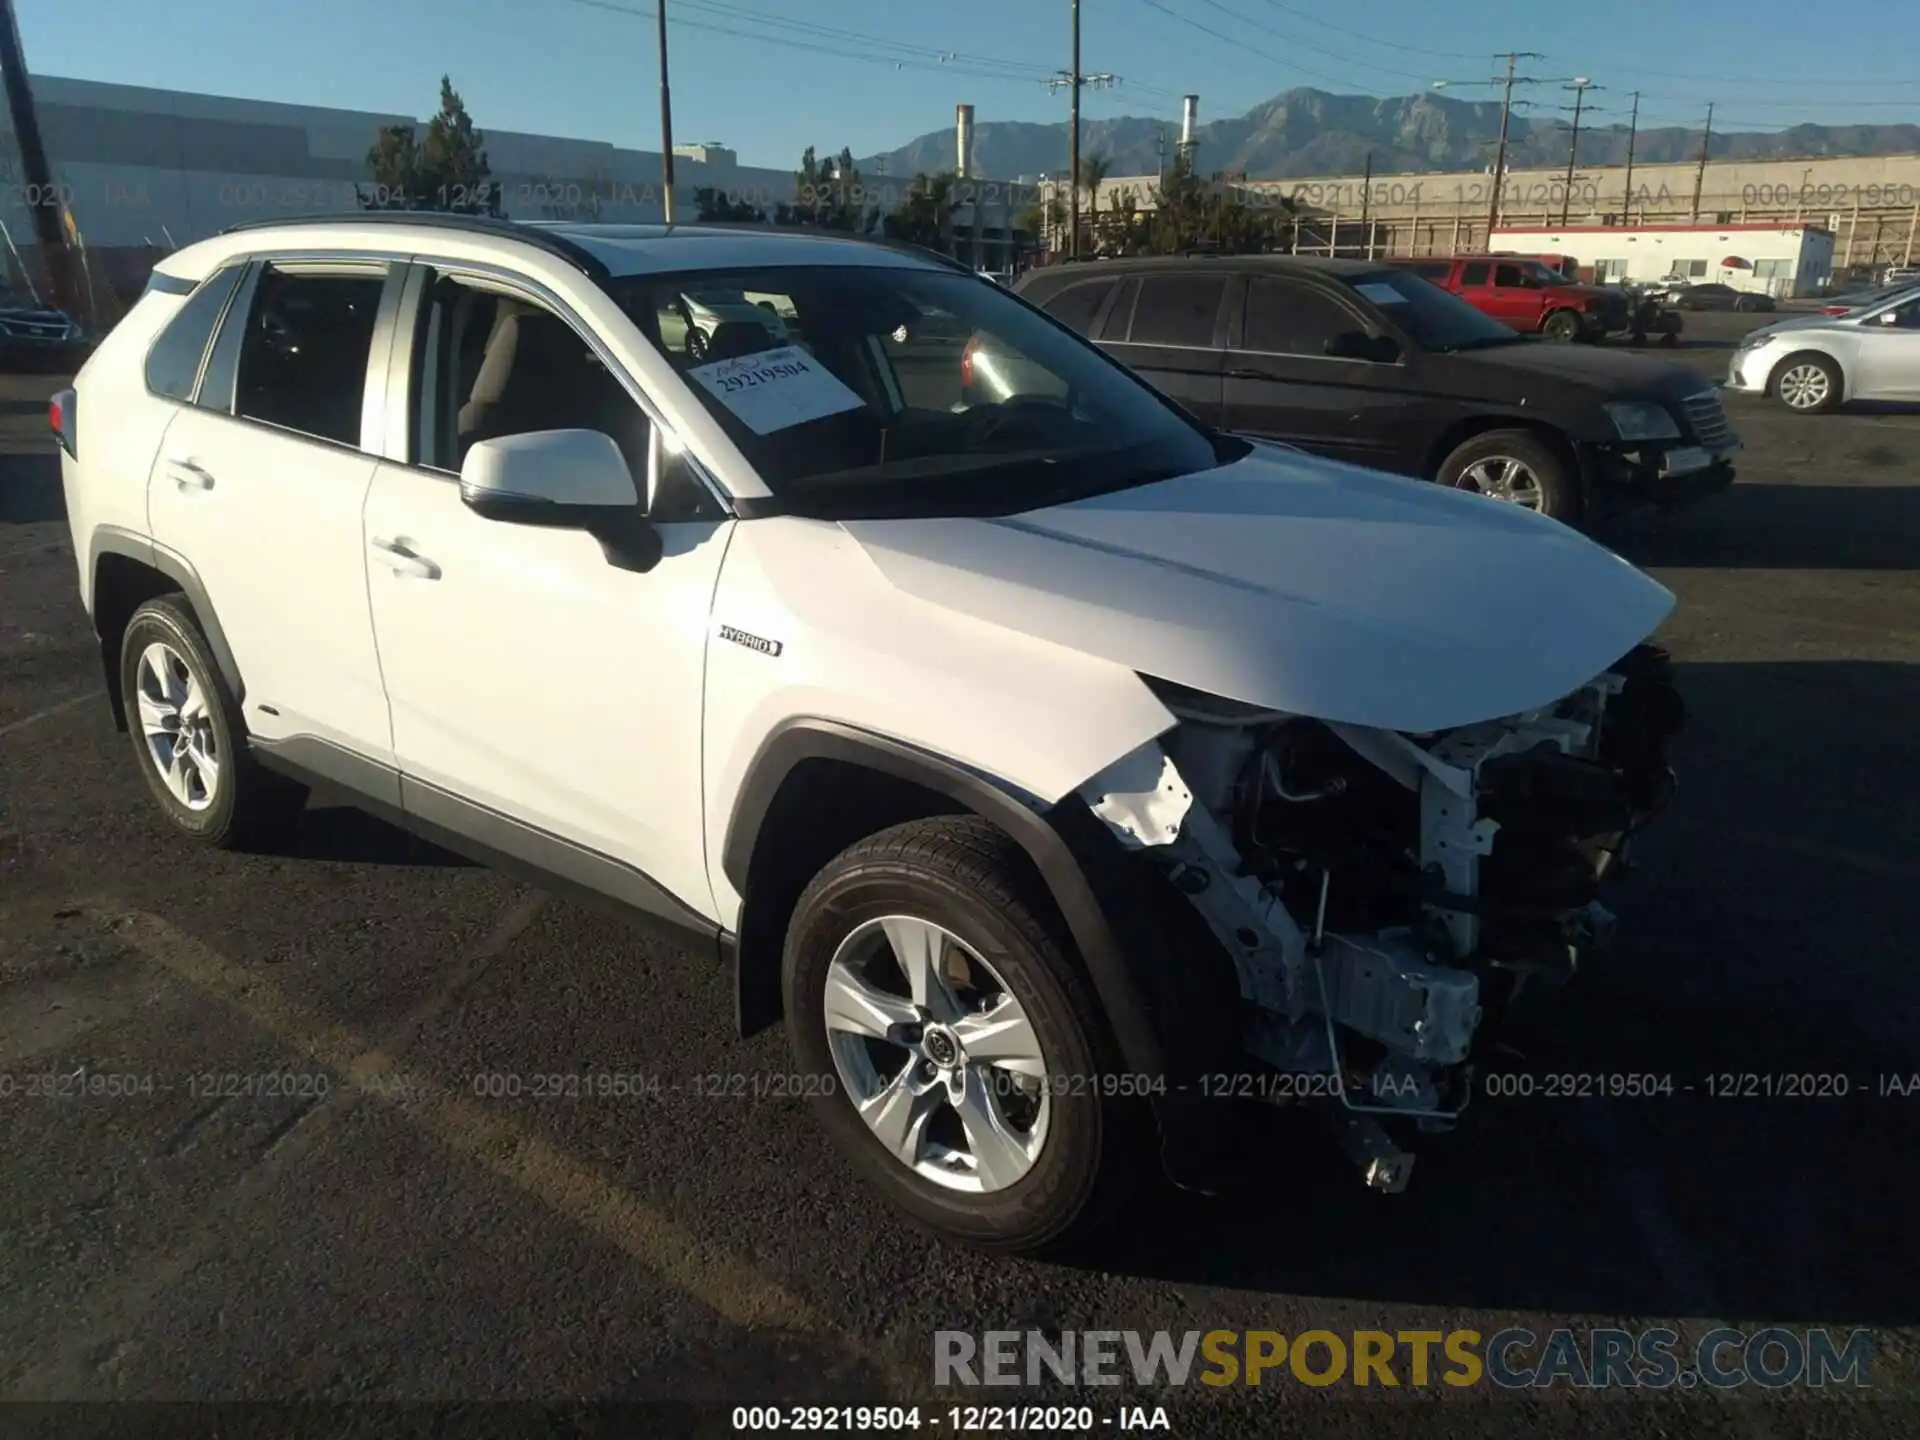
(1528, 296)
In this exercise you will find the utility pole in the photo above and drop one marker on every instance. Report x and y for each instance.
(1073, 140)
(1633, 130)
(1579, 85)
(666, 120)
(1075, 81)
(1506, 82)
(1366, 206)
(1700, 175)
(36, 174)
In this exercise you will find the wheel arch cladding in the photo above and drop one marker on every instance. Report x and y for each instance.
(127, 571)
(817, 786)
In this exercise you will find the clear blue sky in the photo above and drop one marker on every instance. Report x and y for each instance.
(823, 71)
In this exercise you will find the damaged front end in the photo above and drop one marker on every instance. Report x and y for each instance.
(1384, 897)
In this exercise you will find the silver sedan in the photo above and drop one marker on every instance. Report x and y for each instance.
(1816, 362)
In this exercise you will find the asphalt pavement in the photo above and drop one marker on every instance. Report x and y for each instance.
(375, 1223)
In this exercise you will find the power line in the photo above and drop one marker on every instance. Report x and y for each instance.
(1316, 49)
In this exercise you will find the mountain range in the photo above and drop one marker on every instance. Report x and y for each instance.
(1311, 132)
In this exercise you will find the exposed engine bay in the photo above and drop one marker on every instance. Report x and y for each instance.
(1385, 897)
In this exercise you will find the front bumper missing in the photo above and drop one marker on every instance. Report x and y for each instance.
(1669, 479)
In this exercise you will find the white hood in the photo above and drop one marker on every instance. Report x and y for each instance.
(1300, 584)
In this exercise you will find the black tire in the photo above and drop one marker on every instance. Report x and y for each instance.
(246, 803)
(696, 342)
(1836, 384)
(1670, 340)
(1563, 326)
(967, 877)
(1746, 303)
(1560, 489)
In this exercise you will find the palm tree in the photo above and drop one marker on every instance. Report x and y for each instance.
(1093, 169)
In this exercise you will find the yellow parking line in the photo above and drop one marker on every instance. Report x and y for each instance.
(723, 1282)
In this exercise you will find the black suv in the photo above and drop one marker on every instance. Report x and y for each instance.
(1369, 363)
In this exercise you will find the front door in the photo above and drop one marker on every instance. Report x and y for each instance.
(1888, 364)
(544, 700)
(260, 487)
(1282, 384)
(1514, 301)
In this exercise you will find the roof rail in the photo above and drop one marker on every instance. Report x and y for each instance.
(902, 247)
(538, 237)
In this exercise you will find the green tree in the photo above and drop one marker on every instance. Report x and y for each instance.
(445, 170)
(712, 205)
(830, 196)
(924, 215)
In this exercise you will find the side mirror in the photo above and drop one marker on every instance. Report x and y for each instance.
(562, 480)
(1358, 345)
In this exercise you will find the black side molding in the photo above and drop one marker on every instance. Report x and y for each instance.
(1028, 826)
(113, 540)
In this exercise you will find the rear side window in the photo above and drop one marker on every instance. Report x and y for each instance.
(1177, 310)
(1076, 305)
(173, 364)
(1474, 275)
(303, 361)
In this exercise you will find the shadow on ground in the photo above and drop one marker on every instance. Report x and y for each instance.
(1767, 933)
(1788, 527)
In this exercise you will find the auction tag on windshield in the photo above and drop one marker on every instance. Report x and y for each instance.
(776, 389)
(1380, 294)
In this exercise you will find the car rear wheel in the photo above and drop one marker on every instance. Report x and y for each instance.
(1746, 302)
(1562, 325)
(1808, 383)
(1519, 468)
(956, 1044)
(188, 732)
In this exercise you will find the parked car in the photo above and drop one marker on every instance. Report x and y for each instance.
(1815, 363)
(1035, 762)
(1715, 296)
(1370, 364)
(1529, 296)
(1869, 299)
(706, 310)
(37, 337)
(1902, 274)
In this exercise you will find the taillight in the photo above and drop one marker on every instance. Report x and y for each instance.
(1835, 309)
(60, 418)
(966, 361)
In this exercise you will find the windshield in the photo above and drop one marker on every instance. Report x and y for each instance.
(1434, 319)
(908, 391)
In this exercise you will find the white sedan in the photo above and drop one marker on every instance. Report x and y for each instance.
(1817, 362)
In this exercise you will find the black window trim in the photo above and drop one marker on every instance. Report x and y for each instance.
(1341, 295)
(397, 443)
(1222, 318)
(1114, 284)
(238, 267)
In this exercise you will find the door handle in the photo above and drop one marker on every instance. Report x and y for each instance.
(1249, 375)
(188, 476)
(402, 561)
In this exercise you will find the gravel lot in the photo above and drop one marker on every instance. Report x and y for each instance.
(404, 1238)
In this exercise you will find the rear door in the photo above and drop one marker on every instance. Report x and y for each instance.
(1281, 383)
(260, 485)
(1473, 282)
(1176, 337)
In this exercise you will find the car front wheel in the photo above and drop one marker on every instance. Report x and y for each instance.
(1518, 467)
(962, 1062)
(1808, 383)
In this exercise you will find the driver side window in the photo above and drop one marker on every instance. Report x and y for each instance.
(1508, 277)
(489, 365)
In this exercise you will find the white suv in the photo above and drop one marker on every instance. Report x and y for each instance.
(1058, 768)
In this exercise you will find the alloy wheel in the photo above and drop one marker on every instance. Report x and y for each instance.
(177, 722)
(1501, 477)
(936, 1054)
(1804, 387)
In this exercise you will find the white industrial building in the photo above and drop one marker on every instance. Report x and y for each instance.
(1778, 260)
